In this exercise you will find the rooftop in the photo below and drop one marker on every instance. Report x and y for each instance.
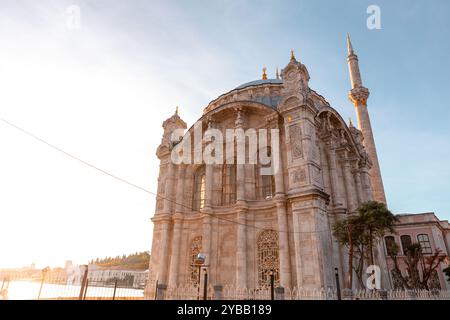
(259, 82)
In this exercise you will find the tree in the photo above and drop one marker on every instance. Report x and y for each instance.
(447, 273)
(359, 232)
(419, 267)
(378, 220)
(349, 233)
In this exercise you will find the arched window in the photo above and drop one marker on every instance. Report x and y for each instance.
(406, 242)
(268, 257)
(228, 184)
(425, 243)
(198, 201)
(390, 243)
(268, 187)
(196, 248)
(265, 184)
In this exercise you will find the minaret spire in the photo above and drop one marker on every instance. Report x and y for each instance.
(349, 45)
(358, 96)
(353, 65)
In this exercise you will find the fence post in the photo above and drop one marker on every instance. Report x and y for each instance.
(383, 294)
(348, 294)
(83, 283)
(338, 286)
(44, 273)
(160, 291)
(411, 295)
(205, 285)
(218, 291)
(279, 293)
(115, 287)
(435, 293)
(85, 289)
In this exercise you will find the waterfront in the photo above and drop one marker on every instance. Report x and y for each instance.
(29, 290)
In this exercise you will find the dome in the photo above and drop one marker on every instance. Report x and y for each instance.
(260, 82)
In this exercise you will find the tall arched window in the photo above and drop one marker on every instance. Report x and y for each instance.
(425, 243)
(228, 184)
(265, 184)
(406, 242)
(268, 187)
(198, 201)
(268, 257)
(196, 248)
(390, 243)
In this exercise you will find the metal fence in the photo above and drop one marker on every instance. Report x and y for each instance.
(59, 287)
(192, 292)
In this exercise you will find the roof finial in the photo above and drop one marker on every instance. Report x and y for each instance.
(350, 122)
(176, 110)
(277, 74)
(293, 55)
(349, 45)
(264, 75)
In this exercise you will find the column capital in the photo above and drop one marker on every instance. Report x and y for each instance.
(280, 198)
(358, 96)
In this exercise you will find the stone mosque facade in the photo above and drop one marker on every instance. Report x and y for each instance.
(249, 225)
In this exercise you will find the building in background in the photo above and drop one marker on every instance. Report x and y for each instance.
(98, 276)
(432, 234)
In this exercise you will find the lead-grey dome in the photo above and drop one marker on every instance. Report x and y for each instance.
(259, 82)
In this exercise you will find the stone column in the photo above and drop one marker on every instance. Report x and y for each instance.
(206, 238)
(207, 210)
(241, 252)
(175, 254)
(283, 237)
(209, 176)
(169, 187)
(285, 261)
(350, 190)
(179, 208)
(358, 184)
(335, 189)
(165, 238)
(241, 207)
(366, 184)
(297, 244)
(240, 186)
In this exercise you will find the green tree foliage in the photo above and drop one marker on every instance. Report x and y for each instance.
(419, 267)
(360, 232)
(134, 261)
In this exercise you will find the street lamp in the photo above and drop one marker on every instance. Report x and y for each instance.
(272, 284)
(200, 262)
(205, 283)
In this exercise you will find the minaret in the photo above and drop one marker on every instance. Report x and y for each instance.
(358, 96)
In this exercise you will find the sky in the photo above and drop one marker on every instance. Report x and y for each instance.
(101, 89)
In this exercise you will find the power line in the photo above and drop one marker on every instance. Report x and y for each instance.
(135, 185)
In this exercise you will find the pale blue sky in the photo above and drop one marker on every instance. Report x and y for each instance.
(101, 93)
